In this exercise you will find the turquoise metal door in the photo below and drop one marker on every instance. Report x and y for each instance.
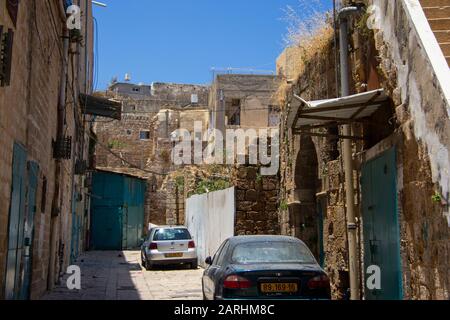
(107, 228)
(381, 226)
(33, 176)
(16, 223)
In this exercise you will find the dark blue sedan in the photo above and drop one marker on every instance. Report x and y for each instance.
(264, 267)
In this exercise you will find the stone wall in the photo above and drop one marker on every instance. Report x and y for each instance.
(256, 202)
(417, 75)
(416, 122)
(28, 116)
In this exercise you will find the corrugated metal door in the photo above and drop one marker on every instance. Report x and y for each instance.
(16, 223)
(381, 226)
(107, 228)
(33, 176)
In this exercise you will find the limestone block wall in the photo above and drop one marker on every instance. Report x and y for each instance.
(256, 202)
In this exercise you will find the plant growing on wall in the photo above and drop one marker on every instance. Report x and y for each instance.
(284, 205)
(437, 197)
(116, 144)
(207, 185)
(179, 181)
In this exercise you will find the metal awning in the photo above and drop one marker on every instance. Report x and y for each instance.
(102, 107)
(338, 111)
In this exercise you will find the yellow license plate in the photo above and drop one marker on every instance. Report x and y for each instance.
(173, 255)
(279, 287)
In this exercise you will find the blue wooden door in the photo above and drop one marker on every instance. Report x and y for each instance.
(381, 226)
(16, 223)
(32, 179)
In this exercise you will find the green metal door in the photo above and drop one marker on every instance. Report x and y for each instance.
(381, 226)
(107, 228)
(16, 223)
(33, 176)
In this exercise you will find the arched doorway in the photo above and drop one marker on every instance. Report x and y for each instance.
(305, 220)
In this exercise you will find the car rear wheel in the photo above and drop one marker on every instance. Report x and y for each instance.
(194, 265)
(147, 265)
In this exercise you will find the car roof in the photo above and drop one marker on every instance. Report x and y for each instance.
(263, 238)
(169, 227)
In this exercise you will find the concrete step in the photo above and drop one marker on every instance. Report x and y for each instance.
(435, 3)
(442, 36)
(437, 12)
(440, 24)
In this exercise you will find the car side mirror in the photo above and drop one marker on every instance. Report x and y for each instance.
(208, 261)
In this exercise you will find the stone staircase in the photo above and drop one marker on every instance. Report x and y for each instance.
(438, 15)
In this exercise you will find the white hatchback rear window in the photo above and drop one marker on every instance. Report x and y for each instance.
(171, 235)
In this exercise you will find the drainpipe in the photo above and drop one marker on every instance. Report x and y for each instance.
(57, 197)
(344, 13)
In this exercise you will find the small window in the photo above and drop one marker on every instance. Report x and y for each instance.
(136, 89)
(144, 135)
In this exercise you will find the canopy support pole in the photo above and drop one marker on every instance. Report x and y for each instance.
(348, 159)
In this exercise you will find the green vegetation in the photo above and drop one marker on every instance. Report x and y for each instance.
(437, 197)
(284, 205)
(210, 185)
(116, 144)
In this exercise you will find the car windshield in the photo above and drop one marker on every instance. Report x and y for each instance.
(171, 235)
(272, 252)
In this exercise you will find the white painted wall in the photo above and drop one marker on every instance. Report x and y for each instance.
(210, 219)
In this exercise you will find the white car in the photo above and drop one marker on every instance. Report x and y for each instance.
(169, 246)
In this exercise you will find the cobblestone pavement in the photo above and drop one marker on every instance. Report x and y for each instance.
(119, 276)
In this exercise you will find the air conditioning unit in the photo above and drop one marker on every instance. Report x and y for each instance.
(194, 98)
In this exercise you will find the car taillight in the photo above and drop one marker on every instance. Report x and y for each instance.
(191, 244)
(319, 282)
(153, 246)
(236, 282)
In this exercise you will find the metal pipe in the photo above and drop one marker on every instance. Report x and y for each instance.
(348, 156)
(57, 197)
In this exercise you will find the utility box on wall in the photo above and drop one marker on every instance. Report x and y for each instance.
(117, 210)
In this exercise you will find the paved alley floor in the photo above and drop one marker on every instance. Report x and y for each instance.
(119, 276)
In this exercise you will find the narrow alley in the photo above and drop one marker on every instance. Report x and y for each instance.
(116, 275)
(258, 150)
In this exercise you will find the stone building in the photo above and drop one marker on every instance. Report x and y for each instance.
(400, 133)
(44, 140)
(140, 143)
(244, 101)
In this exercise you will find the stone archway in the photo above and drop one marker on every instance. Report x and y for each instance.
(304, 218)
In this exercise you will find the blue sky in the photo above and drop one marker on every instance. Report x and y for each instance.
(181, 40)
